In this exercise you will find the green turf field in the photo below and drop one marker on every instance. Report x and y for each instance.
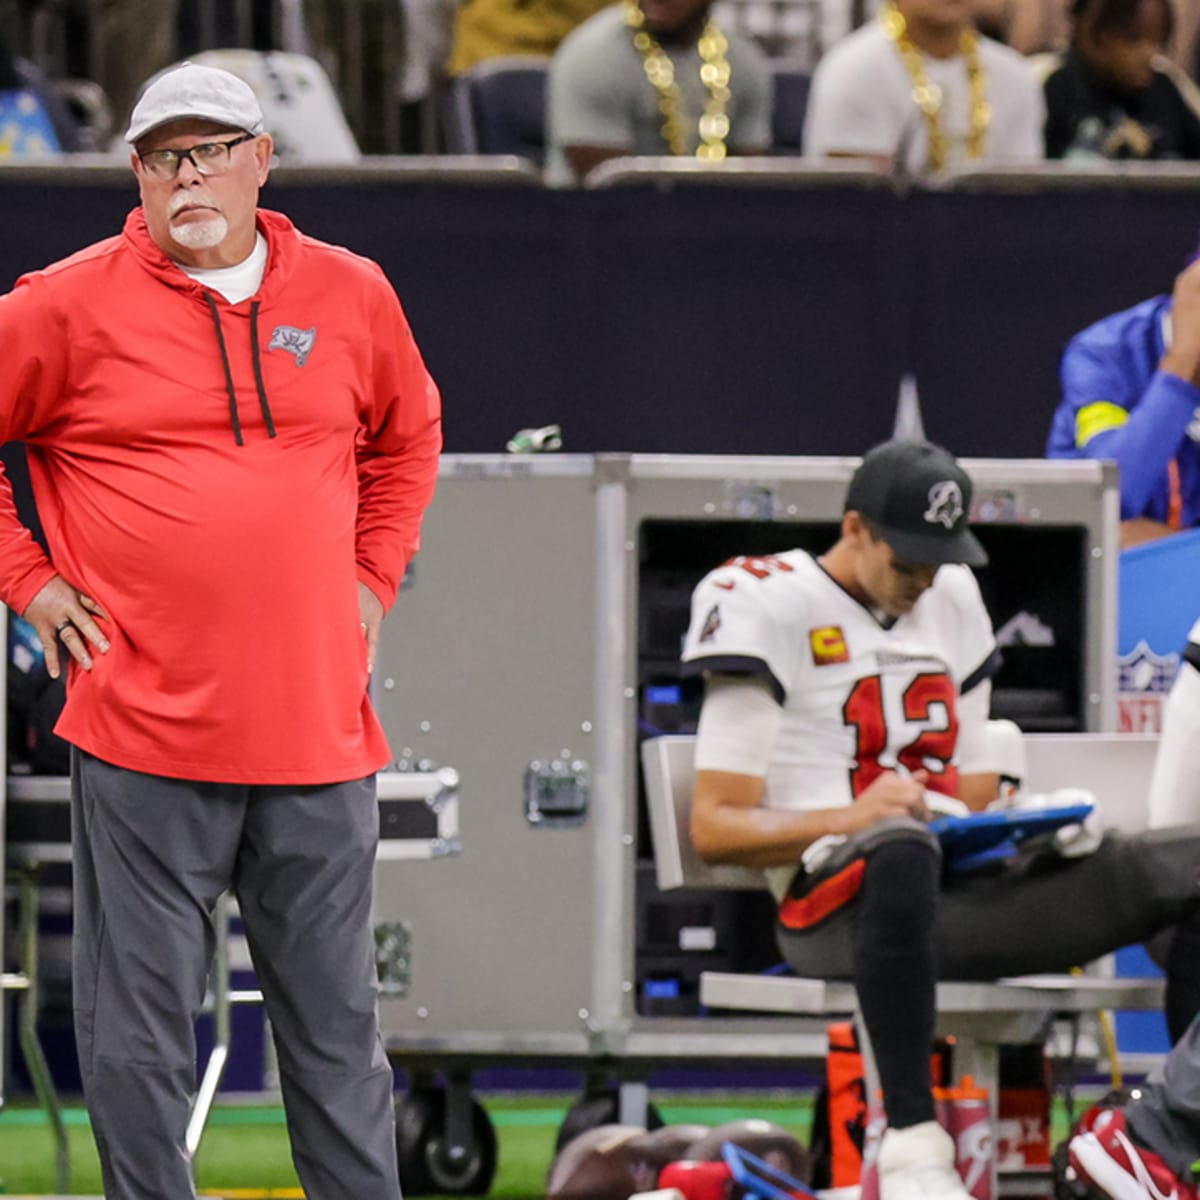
(245, 1147)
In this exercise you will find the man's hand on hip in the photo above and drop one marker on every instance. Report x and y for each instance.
(61, 610)
(370, 615)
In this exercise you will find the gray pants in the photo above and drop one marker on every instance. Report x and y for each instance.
(1166, 1114)
(151, 857)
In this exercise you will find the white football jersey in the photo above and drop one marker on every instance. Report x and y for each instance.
(859, 696)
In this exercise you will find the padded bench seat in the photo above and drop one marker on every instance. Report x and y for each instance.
(981, 1016)
(1039, 994)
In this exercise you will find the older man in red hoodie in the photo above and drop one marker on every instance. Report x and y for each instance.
(232, 438)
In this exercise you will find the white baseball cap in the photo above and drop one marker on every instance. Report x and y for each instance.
(191, 90)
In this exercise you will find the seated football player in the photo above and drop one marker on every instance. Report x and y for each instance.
(846, 693)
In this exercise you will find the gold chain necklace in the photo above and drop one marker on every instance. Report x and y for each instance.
(714, 74)
(927, 96)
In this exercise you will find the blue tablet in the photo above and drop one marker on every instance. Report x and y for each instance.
(970, 841)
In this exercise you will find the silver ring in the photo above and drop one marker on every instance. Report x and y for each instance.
(67, 624)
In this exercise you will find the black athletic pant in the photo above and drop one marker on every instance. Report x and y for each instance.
(909, 925)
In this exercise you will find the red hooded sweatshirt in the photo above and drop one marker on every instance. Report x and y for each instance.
(218, 477)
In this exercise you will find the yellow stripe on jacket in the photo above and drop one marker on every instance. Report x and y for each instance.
(1096, 418)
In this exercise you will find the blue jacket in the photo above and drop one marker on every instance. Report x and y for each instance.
(1117, 404)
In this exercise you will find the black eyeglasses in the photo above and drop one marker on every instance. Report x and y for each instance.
(209, 158)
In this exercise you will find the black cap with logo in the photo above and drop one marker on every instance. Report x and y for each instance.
(920, 498)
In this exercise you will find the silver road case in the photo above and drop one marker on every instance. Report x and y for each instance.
(537, 637)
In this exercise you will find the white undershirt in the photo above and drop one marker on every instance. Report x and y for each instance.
(236, 283)
(739, 724)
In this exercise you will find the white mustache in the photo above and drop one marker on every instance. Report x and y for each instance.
(183, 200)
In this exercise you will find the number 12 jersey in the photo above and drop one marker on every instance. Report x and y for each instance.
(861, 694)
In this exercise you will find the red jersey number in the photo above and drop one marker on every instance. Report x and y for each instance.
(927, 697)
(760, 566)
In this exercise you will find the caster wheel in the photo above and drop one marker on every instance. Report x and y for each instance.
(426, 1164)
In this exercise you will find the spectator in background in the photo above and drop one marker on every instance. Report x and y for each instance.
(75, 56)
(162, 31)
(360, 44)
(800, 31)
(654, 77)
(1131, 392)
(1111, 98)
(1028, 26)
(1185, 45)
(444, 38)
(34, 122)
(486, 29)
(920, 91)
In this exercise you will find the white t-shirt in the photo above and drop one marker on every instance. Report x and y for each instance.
(861, 103)
(236, 283)
(859, 695)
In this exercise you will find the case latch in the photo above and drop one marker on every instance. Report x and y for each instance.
(556, 792)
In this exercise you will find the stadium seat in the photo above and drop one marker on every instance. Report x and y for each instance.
(499, 107)
(301, 107)
(50, 105)
(788, 108)
(35, 121)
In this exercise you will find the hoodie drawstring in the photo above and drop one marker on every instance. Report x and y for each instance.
(233, 411)
(234, 419)
(258, 378)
